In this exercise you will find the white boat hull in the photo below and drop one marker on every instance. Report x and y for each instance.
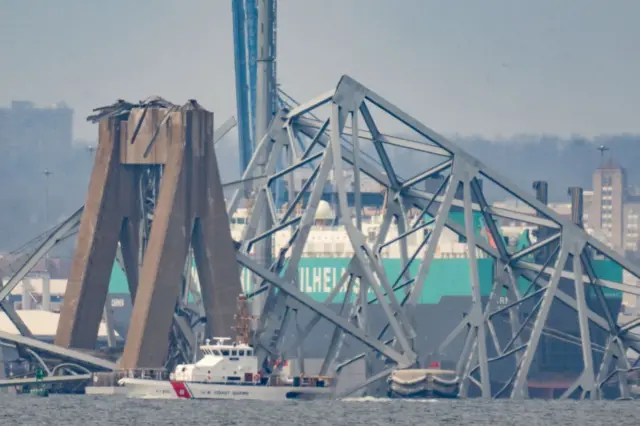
(143, 388)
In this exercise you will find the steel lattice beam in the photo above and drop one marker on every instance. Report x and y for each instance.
(328, 135)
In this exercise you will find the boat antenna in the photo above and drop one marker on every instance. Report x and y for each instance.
(602, 150)
(243, 320)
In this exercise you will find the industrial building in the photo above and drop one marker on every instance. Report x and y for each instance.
(39, 129)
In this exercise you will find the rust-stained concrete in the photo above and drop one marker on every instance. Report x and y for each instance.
(190, 210)
(108, 213)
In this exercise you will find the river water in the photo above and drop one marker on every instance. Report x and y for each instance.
(86, 410)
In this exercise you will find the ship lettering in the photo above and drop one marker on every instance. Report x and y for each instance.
(317, 280)
(117, 303)
(311, 279)
(327, 280)
(344, 288)
(303, 276)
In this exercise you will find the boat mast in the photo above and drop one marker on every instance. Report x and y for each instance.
(243, 324)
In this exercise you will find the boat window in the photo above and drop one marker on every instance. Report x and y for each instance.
(225, 352)
(217, 353)
(234, 353)
(249, 353)
(241, 353)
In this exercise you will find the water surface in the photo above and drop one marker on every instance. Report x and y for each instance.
(81, 410)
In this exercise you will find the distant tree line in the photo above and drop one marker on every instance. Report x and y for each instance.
(33, 202)
(523, 159)
(562, 162)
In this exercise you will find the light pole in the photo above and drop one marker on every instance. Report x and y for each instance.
(46, 289)
(47, 173)
(602, 150)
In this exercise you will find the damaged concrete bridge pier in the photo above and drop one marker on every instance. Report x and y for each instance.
(154, 197)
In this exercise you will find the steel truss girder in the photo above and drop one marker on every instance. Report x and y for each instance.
(334, 145)
(184, 336)
(60, 233)
(64, 354)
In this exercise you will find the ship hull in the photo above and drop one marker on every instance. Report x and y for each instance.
(555, 367)
(444, 302)
(423, 394)
(423, 383)
(160, 389)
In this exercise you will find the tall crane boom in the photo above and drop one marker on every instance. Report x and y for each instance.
(245, 38)
(265, 82)
(251, 7)
(245, 139)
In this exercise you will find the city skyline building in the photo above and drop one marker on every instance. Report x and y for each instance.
(23, 124)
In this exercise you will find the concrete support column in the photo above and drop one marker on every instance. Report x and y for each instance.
(46, 292)
(27, 301)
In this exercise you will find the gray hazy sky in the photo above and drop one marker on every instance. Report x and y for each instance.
(490, 67)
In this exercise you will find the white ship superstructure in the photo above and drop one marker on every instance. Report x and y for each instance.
(328, 239)
(228, 371)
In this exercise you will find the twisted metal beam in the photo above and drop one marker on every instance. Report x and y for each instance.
(555, 274)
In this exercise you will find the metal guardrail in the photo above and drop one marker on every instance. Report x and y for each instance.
(48, 380)
(112, 378)
(59, 352)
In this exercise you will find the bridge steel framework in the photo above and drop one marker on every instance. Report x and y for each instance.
(144, 186)
(329, 145)
(155, 193)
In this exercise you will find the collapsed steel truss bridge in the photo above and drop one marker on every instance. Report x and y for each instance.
(558, 271)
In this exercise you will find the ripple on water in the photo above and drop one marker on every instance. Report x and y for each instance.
(88, 411)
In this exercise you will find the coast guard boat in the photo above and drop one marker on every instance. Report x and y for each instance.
(228, 371)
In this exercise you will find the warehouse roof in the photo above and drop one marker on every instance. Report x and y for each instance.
(41, 323)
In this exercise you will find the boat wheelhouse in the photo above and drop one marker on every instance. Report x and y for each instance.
(221, 363)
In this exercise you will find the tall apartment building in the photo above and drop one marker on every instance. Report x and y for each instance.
(614, 211)
(607, 205)
(611, 209)
(632, 224)
(38, 129)
(34, 139)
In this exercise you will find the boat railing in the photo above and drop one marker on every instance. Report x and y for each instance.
(113, 377)
(302, 381)
(273, 380)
